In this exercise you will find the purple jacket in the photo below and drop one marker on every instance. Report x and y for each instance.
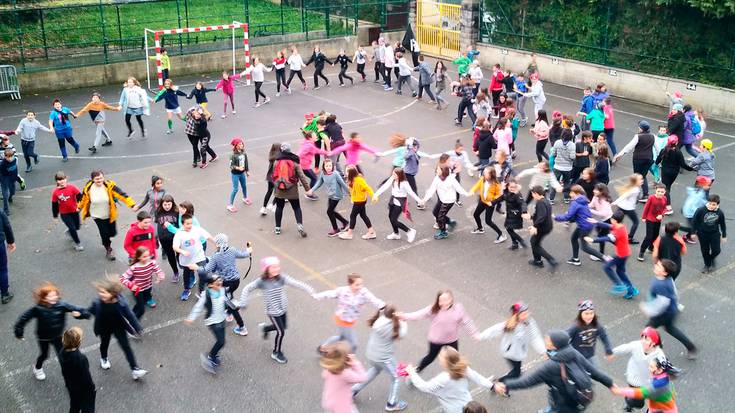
(688, 137)
(579, 211)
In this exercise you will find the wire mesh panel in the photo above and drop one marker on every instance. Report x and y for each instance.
(438, 28)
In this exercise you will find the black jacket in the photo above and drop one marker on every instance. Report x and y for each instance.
(50, 321)
(7, 230)
(542, 219)
(514, 208)
(485, 144)
(343, 60)
(671, 160)
(318, 60)
(550, 374)
(334, 131)
(290, 156)
(200, 95)
(123, 317)
(75, 369)
(675, 125)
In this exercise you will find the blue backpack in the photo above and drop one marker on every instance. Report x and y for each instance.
(696, 126)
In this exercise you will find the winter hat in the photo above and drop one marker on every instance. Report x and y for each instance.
(309, 116)
(706, 144)
(268, 262)
(556, 114)
(645, 126)
(586, 305)
(672, 140)
(677, 94)
(285, 147)
(559, 338)
(677, 107)
(651, 334)
(236, 141)
(409, 141)
(702, 181)
(518, 307)
(221, 241)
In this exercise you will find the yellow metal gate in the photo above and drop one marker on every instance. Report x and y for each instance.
(438, 28)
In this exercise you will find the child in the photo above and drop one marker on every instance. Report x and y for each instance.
(672, 161)
(515, 208)
(441, 78)
(474, 407)
(627, 200)
(541, 176)
(60, 124)
(8, 177)
(139, 279)
(344, 62)
(336, 190)
(257, 70)
(50, 314)
(352, 150)
(350, 300)
(451, 386)
(306, 158)
(662, 307)
(134, 101)
(653, 214)
(170, 95)
(27, 130)
(602, 163)
(583, 151)
(543, 223)
(563, 151)
(704, 163)
(214, 304)
(518, 333)
(448, 189)
(166, 214)
(660, 393)
(224, 264)
(641, 351)
(154, 195)
(579, 212)
(75, 369)
(386, 329)
(239, 171)
(674, 99)
(64, 201)
(587, 181)
(295, 64)
(586, 330)
(503, 136)
(112, 316)
(188, 244)
(96, 109)
(404, 71)
(359, 193)
(489, 189)
(199, 93)
(400, 190)
(279, 63)
(601, 209)
(141, 234)
(662, 139)
(475, 72)
(618, 236)
(708, 225)
(696, 198)
(342, 370)
(272, 282)
(413, 157)
(318, 58)
(587, 104)
(596, 119)
(227, 84)
(165, 63)
(609, 123)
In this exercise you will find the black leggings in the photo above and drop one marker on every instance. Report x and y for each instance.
(343, 75)
(358, 208)
(668, 181)
(541, 150)
(141, 298)
(318, 74)
(139, 118)
(333, 215)
(361, 70)
(293, 73)
(666, 321)
(434, 350)
(281, 203)
(465, 104)
(442, 214)
(652, 232)
(43, 345)
(514, 237)
(268, 194)
(218, 330)
(278, 324)
(205, 149)
(107, 231)
(488, 210)
(634, 219)
(578, 239)
(167, 245)
(73, 224)
(194, 141)
(280, 79)
(122, 339)
(394, 212)
(258, 93)
(378, 69)
(515, 370)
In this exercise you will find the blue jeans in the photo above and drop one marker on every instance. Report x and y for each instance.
(389, 367)
(238, 179)
(618, 276)
(690, 150)
(8, 189)
(3, 269)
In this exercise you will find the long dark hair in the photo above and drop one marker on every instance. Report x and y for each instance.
(542, 116)
(435, 308)
(389, 311)
(582, 324)
(400, 175)
(604, 191)
(274, 151)
(444, 66)
(352, 173)
(167, 198)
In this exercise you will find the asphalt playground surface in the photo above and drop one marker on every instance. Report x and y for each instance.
(485, 277)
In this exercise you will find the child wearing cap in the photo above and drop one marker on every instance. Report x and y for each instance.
(239, 171)
(272, 283)
(586, 330)
(659, 392)
(641, 351)
(518, 333)
(704, 163)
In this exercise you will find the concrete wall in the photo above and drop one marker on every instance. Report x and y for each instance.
(717, 102)
(193, 64)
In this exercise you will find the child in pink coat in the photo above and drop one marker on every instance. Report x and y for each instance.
(341, 371)
(306, 157)
(352, 150)
(228, 90)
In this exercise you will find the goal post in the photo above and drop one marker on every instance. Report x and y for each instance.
(158, 36)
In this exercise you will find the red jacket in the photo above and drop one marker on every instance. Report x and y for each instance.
(622, 247)
(655, 206)
(495, 81)
(137, 237)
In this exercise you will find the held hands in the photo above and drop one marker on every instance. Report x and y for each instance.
(500, 388)
(591, 220)
(76, 314)
(659, 217)
(136, 208)
(532, 230)
(375, 199)
(610, 357)
(526, 216)
(411, 370)
(193, 267)
(188, 322)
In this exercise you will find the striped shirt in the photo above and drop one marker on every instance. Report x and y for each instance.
(141, 275)
(224, 263)
(276, 302)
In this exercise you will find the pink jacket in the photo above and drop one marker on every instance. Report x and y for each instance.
(504, 138)
(227, 86)
(541, 130)
(352, 151)
(444, 328)
(337, 394)
(307, 152)
(609, 122)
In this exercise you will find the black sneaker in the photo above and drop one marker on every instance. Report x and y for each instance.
(574, 261)
(7, 298)
(539, 264)
(632, 241)
(107, 143)
(279, 357)
(92, 149)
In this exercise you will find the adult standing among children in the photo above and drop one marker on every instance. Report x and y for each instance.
(286, 175)
(642, 147)
(6, 236)
(536, 92)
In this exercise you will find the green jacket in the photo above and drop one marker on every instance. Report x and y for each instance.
(596, 119)
(463, 64)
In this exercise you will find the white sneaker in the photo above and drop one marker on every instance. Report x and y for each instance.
(278, 94)
(500, 239)
(263, 211)
(40, 375)
(223, 116)
(79, 247)
(435, 226)
(234, 112)
(593, 258)
(393, 236)
(271, 207)
(105, 364)
(139, 373)
(411, 235)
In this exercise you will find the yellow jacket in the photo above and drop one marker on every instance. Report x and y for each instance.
(360, 190)
(493, 192)
(113, 192)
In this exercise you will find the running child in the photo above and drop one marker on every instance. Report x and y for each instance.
(239, 172)
(199, 93)
(579, 212)
(398, 203)
(626, 202)
(227, 84)
(359, 193)
(352, 150)
(139, 278)
(541, 175)
(543, 223)
(279, 64)
(188, 244)
(586, 330)
(134, 101)
(336, 190)
(515, 208)
(672, 161)
(64, 201)
(709, 226)
(670, 246)
(342, 370)
(653, 214)
(445, 185)
(295, 64)
(8, 177)
(344, 62)
(60, 124)
(167, 214)
(404, 73)
(318, 58)
(27, 129)
(96, 109)
(170, 96)
(257, 71)
(272, 282)
(696, 198)
(617, 235)
(154, 195)
(704, 163)
(642, 352)
(75, 369)
(489, 189)
(660, 392)
(141, 234)
(50, 314)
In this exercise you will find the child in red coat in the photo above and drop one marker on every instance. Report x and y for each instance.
(653, 214)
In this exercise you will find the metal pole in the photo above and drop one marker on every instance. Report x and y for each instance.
(326, 19)
(119, 27)
(357, 16)
(606, 56)
(19, 33)
(304, 23)
(178, 19)
(43, 33)
(283, 27)
(104, 33)
(234, 68)
(147, 59)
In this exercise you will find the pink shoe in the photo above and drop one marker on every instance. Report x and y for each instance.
(204, 165)
(231, 208)
(247, 201)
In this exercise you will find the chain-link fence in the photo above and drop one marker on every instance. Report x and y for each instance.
(48, 35)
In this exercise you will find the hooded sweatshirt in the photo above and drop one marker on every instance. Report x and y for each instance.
(514, 344)
(137, 237)
(704, 164)
(445, 324)
(579, 211)
(381, 344)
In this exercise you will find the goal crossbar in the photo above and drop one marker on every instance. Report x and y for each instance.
(158, 35)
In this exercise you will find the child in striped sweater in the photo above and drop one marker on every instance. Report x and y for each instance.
(272, 282)
(139, 279)
(659, 392)
(214, 304)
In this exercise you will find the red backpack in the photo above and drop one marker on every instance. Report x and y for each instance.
(284, 175)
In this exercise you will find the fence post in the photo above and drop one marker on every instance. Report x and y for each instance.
(283, 27)
(357, 16)
(43, 33)
(119, 28)
(19, 33)
(326, 21)
(104, 32)
(178, 21)
(247, 13)
(606, 55)
(304, 23)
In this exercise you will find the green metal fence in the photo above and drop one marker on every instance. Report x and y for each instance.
(667, 41)
(54, 34)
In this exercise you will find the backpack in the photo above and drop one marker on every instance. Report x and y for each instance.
(284, 175)
(577, 386)
(696, 126)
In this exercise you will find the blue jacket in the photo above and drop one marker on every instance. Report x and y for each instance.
(696, 198)
(588, 103)
(579, 211)
(170, 97)
(6, 231)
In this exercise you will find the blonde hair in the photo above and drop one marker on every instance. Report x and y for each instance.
(335, 357)
(397, 140)
(632, 183)
(111, 284)
(72, 338)
(134, 81)
(456, 364)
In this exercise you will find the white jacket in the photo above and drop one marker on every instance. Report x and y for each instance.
(636, 373)
(514, 344)
(447, 189)
(295, 62)
(390, 60)
(257, 72)
(403, 68)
